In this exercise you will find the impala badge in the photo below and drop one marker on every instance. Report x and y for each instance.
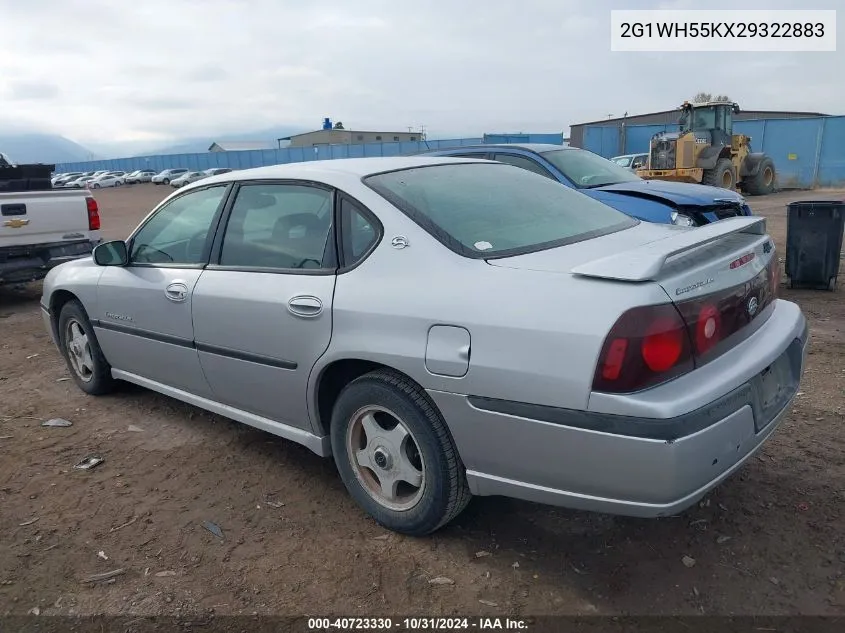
(400, 241)
(695, 286)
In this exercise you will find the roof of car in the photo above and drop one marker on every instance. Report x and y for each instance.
(350, 166)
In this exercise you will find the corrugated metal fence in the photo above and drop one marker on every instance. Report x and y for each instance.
(260, 158)
(807, 152)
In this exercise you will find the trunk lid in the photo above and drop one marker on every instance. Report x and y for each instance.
(684, 261)
(720, 277)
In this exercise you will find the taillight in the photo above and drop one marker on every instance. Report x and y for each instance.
(650, 345)
(93, 214)
(647, 346)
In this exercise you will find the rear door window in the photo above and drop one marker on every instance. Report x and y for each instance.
(283, 226)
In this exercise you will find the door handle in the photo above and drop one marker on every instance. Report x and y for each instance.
(305, 306)
(13, 209)
(177, 291)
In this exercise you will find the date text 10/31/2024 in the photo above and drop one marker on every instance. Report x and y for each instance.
(416, 624)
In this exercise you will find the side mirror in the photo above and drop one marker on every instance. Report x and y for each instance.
(112, 253)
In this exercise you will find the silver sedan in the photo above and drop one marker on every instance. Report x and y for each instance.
(445, 327)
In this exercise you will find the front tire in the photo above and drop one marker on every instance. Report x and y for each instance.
(166, 181)
(722, 175)
(81, 351)
(95, 186)
(395, 454)
(763, 182)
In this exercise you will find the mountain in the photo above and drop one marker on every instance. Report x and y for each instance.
(35, 147)
(201, 144)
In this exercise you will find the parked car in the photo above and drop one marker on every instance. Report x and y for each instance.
(446, 328)
(632, 161)
(188, 178)
(106, 180)
(164, 177)
(216, 171)
(650, 200)
(79, 183)
(63, 179)
(142, 175)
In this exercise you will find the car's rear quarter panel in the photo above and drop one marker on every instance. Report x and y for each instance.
(535, 336)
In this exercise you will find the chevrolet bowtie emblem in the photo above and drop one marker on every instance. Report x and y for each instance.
(16, 223)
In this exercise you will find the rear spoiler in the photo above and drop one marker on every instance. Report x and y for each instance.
(645, 262)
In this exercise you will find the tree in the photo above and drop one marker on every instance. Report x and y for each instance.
(703, 97)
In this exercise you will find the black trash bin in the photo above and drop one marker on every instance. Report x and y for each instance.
(814, 243)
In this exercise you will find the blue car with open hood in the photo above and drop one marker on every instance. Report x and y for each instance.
(659, 201)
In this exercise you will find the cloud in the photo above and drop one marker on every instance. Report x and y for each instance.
(32, 91)
(120, 72)
(205, 73)
(159, 103)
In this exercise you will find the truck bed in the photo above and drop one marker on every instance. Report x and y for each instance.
(41, 229)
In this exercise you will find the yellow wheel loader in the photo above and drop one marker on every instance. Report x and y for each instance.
(706, 151)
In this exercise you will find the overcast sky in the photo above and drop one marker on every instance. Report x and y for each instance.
(149, 70)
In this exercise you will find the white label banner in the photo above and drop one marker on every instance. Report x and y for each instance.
(723, 30)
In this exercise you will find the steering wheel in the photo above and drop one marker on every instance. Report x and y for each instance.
(196, 246)
(142, 254)
(302, 263)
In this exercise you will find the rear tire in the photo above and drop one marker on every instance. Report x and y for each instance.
(387, 422)
(721, 175)
(763, 182)
(81, 350)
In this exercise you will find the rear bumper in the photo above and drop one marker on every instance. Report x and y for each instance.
(21, 264)
(598, 462)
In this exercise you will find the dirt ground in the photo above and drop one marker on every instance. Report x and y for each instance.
(770, 540)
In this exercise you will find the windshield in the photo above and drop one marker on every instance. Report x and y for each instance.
(701, 119)
(587, 170)
(490, 209)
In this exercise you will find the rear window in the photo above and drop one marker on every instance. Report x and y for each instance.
(494, 210)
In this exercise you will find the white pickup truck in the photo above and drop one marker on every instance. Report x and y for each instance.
(42, 229)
